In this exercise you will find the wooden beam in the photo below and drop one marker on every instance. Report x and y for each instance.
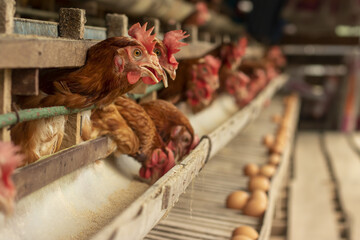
(7, 11)
(42, 52)
(37, 175)
(25, 82)
(5, 99)
(117, 25)
(72, 23)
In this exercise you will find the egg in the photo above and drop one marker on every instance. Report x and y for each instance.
(259, 194)
(237, 200)
(246, 231)
(251, 169)
(274, 159)
(241, 237)
(278, 148)
(255, 207)
(267, 170)
(259, 182)
(269, 140)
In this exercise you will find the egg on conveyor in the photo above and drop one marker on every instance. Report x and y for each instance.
(259, 182)
(251, 169)
(246, 231)
(237, 200)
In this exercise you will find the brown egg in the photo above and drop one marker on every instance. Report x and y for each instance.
(259, 182)
(274, 159)
(278, 148)
(259, 194)
(246, 231)
(255, 207)
(237, 200)
(241, 237)
(269, 140)
(251, 169)
(267, 170)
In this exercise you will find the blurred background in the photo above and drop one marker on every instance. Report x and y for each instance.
(319, 37)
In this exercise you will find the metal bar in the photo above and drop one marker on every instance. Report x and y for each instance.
(36, 113)
(37, 175)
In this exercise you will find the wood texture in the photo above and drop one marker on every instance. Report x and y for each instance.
(72, 23)
(33, 177)
(117, 25)
(72, 134)
(25, 82)
(5, 99)
(346, 165)
(44, 52)
(310, 202)
(7, 11)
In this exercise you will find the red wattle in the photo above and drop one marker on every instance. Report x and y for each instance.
(133, 77)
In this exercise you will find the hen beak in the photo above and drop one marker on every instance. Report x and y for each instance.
(155, 72)
(172, 73)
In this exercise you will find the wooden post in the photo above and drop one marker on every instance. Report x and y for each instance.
(71, 25)
(7, 11)
(193, 31)
(116, 24)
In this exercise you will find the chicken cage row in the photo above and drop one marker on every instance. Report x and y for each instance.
(21, 58)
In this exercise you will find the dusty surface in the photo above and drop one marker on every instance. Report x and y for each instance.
(117, 202)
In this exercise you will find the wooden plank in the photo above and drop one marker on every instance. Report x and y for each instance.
(26, 26)
(37, 175)
(25, 82)
(346, 165)
(310, 193)
(5, 100)
(72, 25)
(277, 180)
(117, 25)
(42, 52)
(7, 11)
(193, 31)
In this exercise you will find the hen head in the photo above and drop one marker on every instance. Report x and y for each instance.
(128, 58)
(235, 81)
(181, 141)
(207, 70)
(166, 49)
(9, 160)
(232, 53)
(161, 162)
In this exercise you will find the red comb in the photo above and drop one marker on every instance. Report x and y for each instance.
(202, 7)
(172, 43)
(144, 37)
(214, 63)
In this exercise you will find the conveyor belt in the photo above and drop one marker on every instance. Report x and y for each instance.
(200, 213)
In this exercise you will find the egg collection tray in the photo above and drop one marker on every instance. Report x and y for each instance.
(200, 213)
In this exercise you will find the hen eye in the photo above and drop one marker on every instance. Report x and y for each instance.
(204, 70)
(157, 52)
(137, 53)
